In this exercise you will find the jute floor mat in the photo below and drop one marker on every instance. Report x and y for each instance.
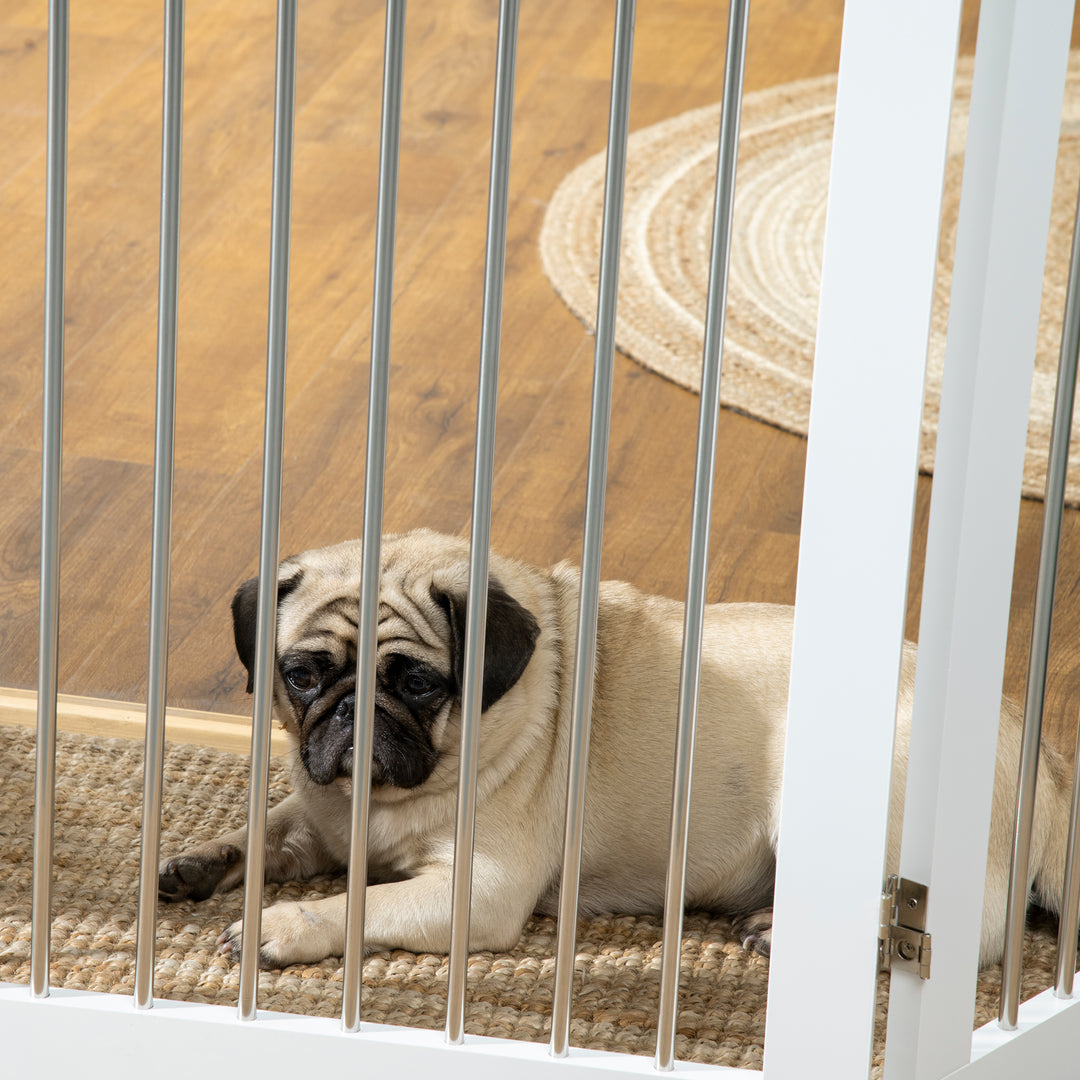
(781, 190)
(98, 812)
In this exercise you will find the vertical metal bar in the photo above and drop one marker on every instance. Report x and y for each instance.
(368, 619)
(1041, 622)
(168, 272)
(51, 439)
(592, 543)
(274, 438)
(1055, 488)
(697, 574)
(1069, 920)
(476, 617)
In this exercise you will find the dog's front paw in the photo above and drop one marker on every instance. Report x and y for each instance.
(196, 876)
(755, 930)
(292, 933)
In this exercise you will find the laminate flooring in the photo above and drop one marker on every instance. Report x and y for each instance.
(562, 87)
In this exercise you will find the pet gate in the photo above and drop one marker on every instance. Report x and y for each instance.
(897, 63)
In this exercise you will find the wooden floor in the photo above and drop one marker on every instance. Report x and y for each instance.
(561, 116)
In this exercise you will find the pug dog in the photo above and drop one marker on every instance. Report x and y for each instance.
(523, 757)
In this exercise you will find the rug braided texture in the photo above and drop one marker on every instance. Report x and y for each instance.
(96, 865)
(781, 190)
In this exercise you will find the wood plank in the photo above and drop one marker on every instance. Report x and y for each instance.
(564, 63)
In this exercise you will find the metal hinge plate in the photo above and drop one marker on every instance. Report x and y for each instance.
(902, 938)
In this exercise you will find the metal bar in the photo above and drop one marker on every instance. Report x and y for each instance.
(697, 574)
(51, 439)
(1041, 623)
(1055, 488)
(273, 442)
(1069, 920)
(368, 619)
(168, 273)
(476, 617)
(592, 543)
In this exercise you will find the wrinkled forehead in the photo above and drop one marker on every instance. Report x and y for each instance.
(322, 613)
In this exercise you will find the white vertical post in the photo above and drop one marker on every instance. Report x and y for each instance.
(1053, 499)
(889, 148)
(997, 285)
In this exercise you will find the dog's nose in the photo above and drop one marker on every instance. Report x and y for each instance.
(346, 709)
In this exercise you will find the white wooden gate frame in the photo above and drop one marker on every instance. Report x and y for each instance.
(892, 120)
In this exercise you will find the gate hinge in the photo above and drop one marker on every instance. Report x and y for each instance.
(902, 938)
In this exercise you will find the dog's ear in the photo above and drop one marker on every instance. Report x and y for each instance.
(509, 640)
(245, 612)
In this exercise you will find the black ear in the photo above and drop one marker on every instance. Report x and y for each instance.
(245, 612)
(509, 641)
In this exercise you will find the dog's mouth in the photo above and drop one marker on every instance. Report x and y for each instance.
(402, 754)
(327, 752)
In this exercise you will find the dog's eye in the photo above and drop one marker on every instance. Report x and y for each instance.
(300, 679)
(416, 685)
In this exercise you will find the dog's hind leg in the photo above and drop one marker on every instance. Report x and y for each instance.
(1050, 831)
(1049, 835)
(754, 930)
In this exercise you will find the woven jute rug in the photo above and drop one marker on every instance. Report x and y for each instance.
(98, 813)
(779, 225)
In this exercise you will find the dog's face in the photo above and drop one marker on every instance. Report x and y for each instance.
(420, 653)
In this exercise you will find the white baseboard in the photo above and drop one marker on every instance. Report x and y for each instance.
(127, 720)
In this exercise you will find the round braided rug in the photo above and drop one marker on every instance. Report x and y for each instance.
(779, 226)
(96, 865)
